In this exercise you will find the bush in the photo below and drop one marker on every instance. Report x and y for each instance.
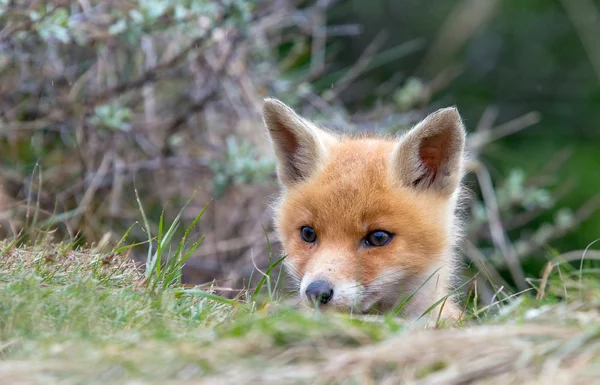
(100, 99)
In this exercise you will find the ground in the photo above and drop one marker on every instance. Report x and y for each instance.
(73, 316)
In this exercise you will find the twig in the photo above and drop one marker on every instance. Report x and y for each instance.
(512, 222)
(358, 68)
(319, 38)
(486, 122)
(480, 139)
(577, 255)
(124, 170)
(586, 19)
(43, 123)
(149, 76)
(152, 74)
(545, 275)
(583, 213)
(343, 30)
(149, 93)
(461, 24)
(117, 187)
(479, 259)
(5, 35)
(207, 92)
(551, 167)
(486, 287)
(497, 232)
(442, 80)
(94, 185)
(234, 244)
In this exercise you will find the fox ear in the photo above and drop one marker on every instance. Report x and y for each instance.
(299, 145)
(430, 156)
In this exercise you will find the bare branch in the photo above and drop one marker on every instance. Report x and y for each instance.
(496, 229)
(482, 138)
(358, 68)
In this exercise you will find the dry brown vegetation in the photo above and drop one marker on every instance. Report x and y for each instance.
(105, 97)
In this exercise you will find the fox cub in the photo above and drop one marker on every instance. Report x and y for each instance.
(366, 222)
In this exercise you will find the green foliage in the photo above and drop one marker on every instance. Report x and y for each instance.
(52, 24)
(514, 195)
(412, 94)
(112, 117)
(240, 166)
(514, 191)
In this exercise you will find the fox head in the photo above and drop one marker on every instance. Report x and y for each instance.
(367, 221)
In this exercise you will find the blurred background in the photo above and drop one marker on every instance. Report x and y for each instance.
(100, 99)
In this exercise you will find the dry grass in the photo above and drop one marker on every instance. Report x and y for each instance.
(60, 262)
(77, 316)
(502, 354)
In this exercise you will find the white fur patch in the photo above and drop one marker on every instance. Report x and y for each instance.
(346, 294)
(386, 287)
(349, 295)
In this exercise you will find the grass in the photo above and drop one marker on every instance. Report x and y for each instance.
(81, 316)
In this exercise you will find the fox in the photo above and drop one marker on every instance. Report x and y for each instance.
(366, 222)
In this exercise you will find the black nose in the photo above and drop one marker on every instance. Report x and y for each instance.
(319, 291)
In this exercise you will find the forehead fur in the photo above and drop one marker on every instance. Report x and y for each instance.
(355, 192)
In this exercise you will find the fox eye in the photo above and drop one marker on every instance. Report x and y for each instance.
(378, 238)
(308, 234)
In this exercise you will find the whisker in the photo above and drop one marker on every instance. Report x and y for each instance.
(398, 273)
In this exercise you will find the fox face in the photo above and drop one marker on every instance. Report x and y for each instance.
(365, 221)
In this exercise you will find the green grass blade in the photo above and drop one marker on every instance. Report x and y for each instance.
(430, 308)
(36, 213)
(403, 304)
(264, 277)
(149, 262)
(28, 212)
(210, 296)
(189, 229)
(117, 248)
(176, 263)
(58, 218)
(159, 242)
(191, 250)
(176, 267)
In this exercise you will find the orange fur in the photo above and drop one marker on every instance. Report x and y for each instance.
(352, 186)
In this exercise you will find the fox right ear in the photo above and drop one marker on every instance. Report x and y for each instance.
(299, 145)
(430, 156)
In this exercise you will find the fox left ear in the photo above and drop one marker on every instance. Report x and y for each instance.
(300, 146)
(430, 156)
